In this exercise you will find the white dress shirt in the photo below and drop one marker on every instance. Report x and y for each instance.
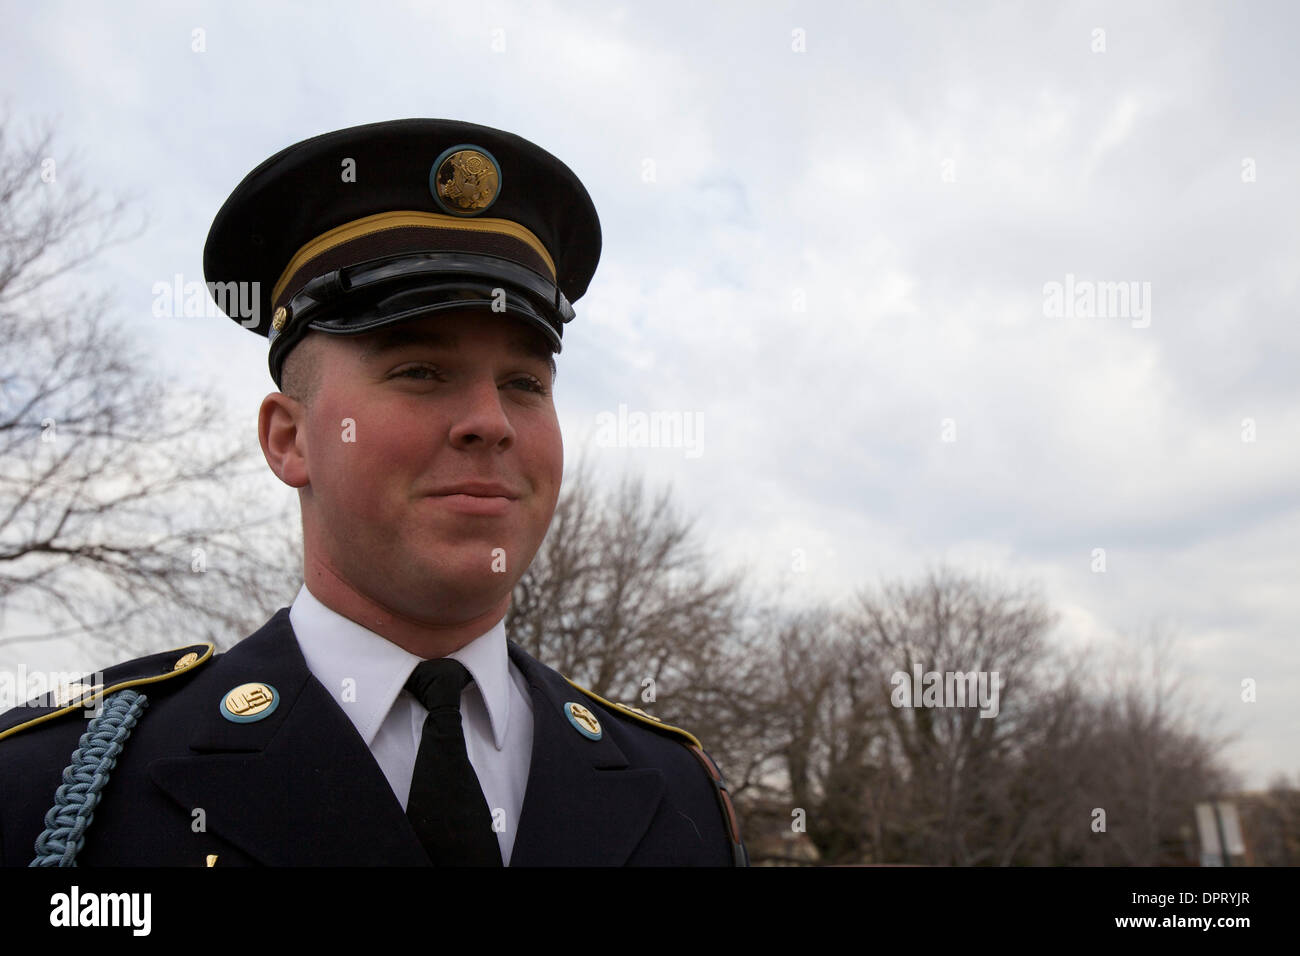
(366, 673)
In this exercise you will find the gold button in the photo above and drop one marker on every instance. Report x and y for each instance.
(185, 661)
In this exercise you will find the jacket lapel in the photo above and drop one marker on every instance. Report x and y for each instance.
(583, 805)
(298, 788)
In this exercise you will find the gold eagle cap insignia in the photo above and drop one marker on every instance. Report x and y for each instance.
(467, 181)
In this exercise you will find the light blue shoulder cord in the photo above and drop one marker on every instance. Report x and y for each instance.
(84, 779)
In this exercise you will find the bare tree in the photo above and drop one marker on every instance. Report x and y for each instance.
(622, 598)
(1147, 754)
(957, 760)
(833, 732)
(121, 518)
(1079, 765)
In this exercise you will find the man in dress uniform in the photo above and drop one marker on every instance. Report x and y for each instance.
(414, 279)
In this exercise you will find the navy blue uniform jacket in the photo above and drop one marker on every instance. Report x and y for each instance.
(300, 787)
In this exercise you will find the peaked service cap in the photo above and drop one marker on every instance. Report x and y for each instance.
(356, 229)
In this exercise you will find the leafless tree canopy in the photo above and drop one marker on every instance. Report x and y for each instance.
(1077, 766)
(120, 519)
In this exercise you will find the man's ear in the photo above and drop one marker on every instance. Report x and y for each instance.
(281, 428)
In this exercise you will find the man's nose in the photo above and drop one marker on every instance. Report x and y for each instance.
(480, 417)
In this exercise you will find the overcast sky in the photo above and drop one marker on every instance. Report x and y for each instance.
(830, 234)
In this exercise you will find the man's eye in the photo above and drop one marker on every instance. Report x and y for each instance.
(530, 383)
(418, 372)
(431, 373)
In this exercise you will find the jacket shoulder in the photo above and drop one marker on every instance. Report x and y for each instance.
(48, 704)
(38, 739)
(637, 716)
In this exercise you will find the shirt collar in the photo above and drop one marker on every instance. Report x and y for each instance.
(365, 672)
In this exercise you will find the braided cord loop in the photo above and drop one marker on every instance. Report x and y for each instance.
(84, 779)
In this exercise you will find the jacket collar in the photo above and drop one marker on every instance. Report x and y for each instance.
(300, 787)
(343, 654)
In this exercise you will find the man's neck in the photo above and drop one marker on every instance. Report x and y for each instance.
(424, 638)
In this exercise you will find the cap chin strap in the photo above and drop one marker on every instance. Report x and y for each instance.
(359, 298)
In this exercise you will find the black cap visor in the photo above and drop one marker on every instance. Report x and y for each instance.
(358, 299)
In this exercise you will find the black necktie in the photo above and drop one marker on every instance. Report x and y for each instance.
(446, 805)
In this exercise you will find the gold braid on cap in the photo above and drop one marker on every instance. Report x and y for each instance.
(361, 229)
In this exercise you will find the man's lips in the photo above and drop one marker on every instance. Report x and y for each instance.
(483, 498)
(478, 489)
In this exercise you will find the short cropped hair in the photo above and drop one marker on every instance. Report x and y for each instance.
(300, 374)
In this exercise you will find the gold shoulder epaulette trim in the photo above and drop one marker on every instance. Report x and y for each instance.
(187, 660)
(639, 715)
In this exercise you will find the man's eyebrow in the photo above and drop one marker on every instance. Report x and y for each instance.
(530, 346)
(386, 340)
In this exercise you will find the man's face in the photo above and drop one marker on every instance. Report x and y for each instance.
(433, 459)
